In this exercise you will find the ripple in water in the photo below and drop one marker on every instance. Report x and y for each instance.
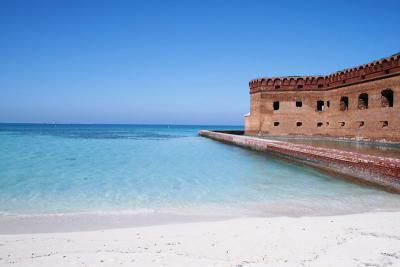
(47, 169)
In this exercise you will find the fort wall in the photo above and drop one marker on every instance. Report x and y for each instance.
(360, 103)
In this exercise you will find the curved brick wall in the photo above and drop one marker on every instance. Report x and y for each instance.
(382, 171)
(376, 69)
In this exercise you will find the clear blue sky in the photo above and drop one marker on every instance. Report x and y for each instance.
(173, 62)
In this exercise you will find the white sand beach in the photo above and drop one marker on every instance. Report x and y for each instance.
(369, 239)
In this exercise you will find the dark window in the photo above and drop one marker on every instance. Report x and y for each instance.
(342, 123)
(386, 71)
(319, 124)
(387, 98)
(362, 77)
(300, 86)
(276, 105)
(320, 105)
(363, 101)
(299, 104)
(328, 103)
(298, 124)
(276, 123)
(327, 123)
(361, 124)
(320, 85)
(384, 124)
(344, 103)
(277, 86)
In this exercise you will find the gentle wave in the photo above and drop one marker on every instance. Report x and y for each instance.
(67, 169)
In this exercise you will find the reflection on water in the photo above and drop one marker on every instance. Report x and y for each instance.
(370, 148)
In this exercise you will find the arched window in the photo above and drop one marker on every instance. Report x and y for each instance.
(387, 98)
(276, 105)
(363, 101)
(320, 105)
(344, 103)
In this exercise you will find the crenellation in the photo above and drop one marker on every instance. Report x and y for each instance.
(376, 69)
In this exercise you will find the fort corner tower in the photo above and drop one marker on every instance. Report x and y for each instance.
(358, 103)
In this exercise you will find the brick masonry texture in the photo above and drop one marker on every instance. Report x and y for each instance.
(360, 103)
(380, 171)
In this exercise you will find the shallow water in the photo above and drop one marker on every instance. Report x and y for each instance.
(58, 169)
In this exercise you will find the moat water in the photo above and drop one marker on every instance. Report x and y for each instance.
(70, 169)
(370, 148)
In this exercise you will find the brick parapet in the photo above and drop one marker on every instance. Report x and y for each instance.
(383, 68)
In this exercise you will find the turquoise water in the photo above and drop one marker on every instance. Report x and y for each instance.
(47, 169)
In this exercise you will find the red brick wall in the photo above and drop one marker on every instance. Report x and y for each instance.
(352, 123)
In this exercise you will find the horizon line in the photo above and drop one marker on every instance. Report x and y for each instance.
(144, 124)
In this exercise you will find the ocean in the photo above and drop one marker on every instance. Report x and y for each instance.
(85, 169)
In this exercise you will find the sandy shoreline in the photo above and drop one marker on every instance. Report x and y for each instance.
(369, 239)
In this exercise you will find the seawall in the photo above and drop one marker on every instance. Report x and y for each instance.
(375, 170)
